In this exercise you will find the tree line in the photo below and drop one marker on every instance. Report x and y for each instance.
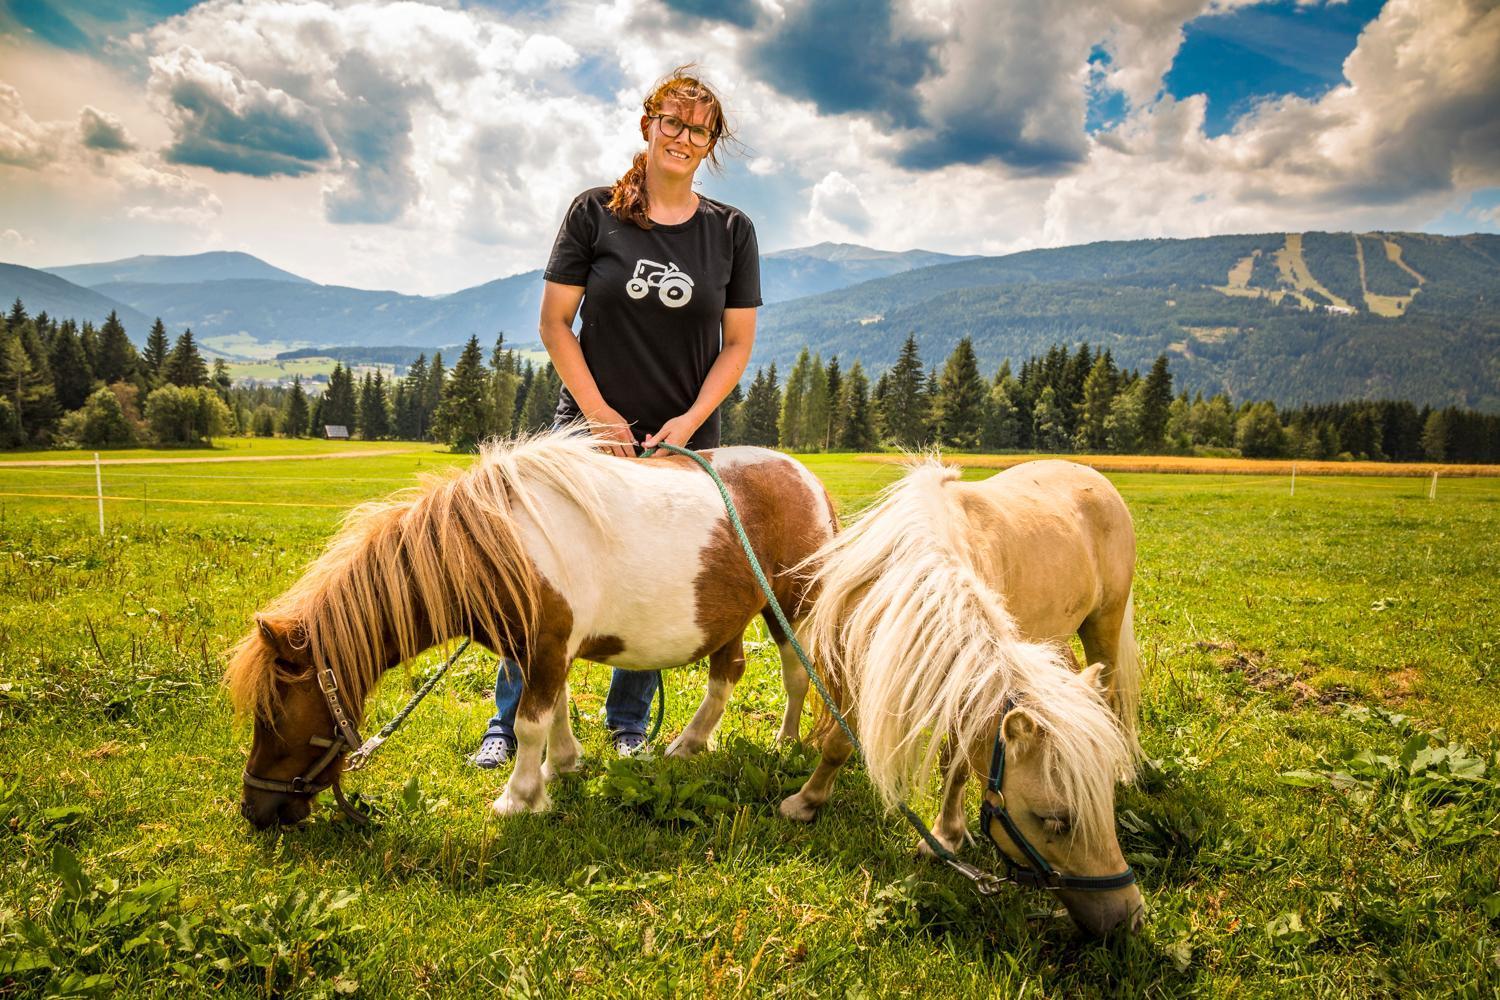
(68, 384)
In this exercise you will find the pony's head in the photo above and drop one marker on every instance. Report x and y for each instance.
(272, 678)
(1059, 791)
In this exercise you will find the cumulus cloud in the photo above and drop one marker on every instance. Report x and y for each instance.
(836, 200)
(25, 142)
(102, 131)
(11, 240)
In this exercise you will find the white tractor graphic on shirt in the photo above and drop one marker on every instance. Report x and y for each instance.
(672, 285)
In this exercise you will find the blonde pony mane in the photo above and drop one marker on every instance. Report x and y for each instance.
(925, 653)
(440, 560)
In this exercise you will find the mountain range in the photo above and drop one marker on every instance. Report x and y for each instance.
(1292, 317)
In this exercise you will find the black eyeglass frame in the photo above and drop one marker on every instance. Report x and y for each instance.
(692, 130)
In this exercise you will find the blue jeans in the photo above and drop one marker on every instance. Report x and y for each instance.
(627, 708)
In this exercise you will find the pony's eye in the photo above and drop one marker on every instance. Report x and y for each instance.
(1056, 824)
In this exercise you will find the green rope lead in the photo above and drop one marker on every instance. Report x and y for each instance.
(984, 882)
(360, 757)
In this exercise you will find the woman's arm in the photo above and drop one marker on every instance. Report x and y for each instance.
(559, 306)
(734, 356)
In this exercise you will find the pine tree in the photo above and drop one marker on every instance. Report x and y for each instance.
(794, 404)
(857, 432)
(732, 417)
(903, 415)
(463, 416)
(315, 422)
(835, 400)
(1155, 402)
(1258, 432)
(155, 358)
(72, 379)
(817, 408)
(1048, 433)
(339, 406)
(1122, 428)
(31, 399)
(763, 409)
(221, 381)
(1435, 436)
(17, 316)
(541, 403)
(294, 417)
(432, 395)
(1093, 407)
(185, 366)
(1002, 424)
(961, 399)
(408, 399)
(504, 383)
(117, 360)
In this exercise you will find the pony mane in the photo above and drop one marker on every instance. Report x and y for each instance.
(442, 559)
(925, 652)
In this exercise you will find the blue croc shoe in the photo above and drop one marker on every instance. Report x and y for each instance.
(493, 751)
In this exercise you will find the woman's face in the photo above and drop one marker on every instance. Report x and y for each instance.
(676, 156)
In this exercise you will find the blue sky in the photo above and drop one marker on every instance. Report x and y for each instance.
(431, 147)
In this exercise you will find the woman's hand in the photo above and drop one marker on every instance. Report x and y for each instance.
(608, 425)
(678, 431)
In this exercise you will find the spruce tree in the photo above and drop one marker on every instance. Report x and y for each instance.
(294, 417)
(732, 417)
(835, 398)
(1093, 408)
(794, 403)
(1048, 433)
(857, 432)
(432, 395)
(763, 409)
(904, 411)
(1435, 436)
(72, 379)
(463, 415)
(221, 381)
(817, 408)
(504, 382)
(1156, 400)
(17, 315)
(185, 366)
(961, 399)
(155, 358)
(339, 406)
(408, 398)
(117, 360)
(541, 403)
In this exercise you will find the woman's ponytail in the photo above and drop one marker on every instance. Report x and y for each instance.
(627, 201)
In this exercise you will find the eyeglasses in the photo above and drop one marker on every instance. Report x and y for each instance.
(672, 126)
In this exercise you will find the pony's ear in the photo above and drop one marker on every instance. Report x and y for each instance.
(284, 635)
(1020, 729)
(1093, 676)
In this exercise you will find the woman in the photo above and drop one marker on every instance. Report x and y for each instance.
(669, 282)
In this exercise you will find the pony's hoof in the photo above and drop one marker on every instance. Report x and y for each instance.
(796, 808)
(509, 805)
(682, 748)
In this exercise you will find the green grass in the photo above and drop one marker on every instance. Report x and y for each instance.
(231, 447)
(1261, 615)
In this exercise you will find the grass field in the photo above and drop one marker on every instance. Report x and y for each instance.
(1319, 817)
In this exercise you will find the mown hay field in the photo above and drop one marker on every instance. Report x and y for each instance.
(1318, 817)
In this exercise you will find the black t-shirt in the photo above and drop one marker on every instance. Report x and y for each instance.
(653, 303)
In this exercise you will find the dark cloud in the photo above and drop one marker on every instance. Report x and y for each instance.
(740, 13)
(234, 125)
(844, 56)
(373, 132)
(102, 131)
(981, 140)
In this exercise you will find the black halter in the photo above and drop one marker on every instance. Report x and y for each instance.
(1038, 874)
(345, 737)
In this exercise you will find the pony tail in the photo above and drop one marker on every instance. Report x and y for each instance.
(627, 200)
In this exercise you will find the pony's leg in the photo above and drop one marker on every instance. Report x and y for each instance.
(526, 791)
(794, 679)
(564, 752)
(726, 665)
(805, 803)
(1109, 637)
(951, 827)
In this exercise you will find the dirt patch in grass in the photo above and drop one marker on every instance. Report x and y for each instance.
(1252, 665)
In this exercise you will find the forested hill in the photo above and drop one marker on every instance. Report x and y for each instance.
(1299, 317)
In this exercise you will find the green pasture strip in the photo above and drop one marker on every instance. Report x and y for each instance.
(232, 447)
(1288, 845)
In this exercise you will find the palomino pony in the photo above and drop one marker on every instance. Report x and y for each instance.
(942, 617)
(544, 549)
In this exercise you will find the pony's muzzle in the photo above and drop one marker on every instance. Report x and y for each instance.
(265, 809)
(1104, 913)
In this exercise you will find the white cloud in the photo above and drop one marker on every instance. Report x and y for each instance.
(10, 240)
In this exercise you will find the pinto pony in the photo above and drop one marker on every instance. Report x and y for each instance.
(544, 550)
(941, 619)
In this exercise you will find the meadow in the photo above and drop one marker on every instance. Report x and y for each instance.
(1317, 817)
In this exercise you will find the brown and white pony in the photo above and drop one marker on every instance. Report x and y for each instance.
(544, 549)
(949, 602)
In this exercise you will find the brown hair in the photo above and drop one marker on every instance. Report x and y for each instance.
(627, 201)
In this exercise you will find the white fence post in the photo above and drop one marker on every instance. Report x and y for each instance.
(1294, 479)
(1432, 490)
(99, 490)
